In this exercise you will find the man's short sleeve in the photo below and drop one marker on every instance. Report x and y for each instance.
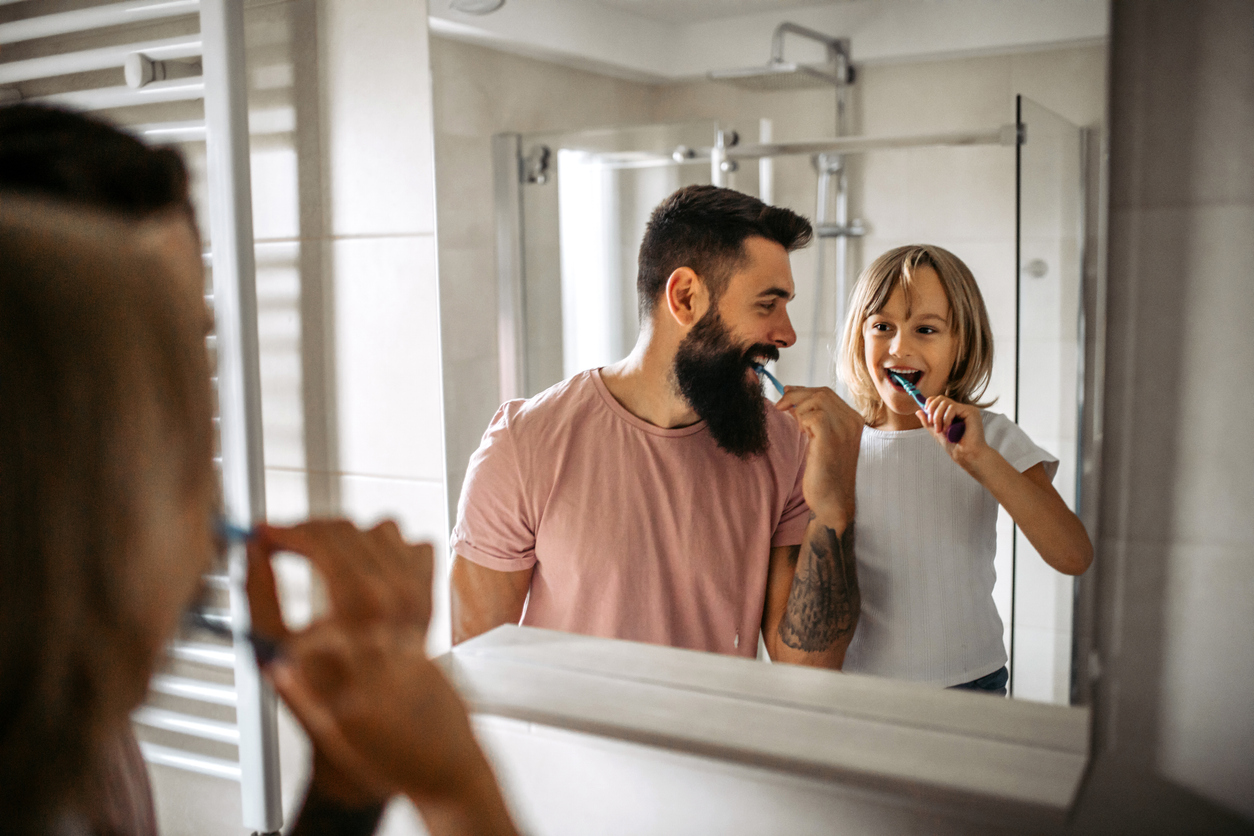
(791, 528)
(494, 525)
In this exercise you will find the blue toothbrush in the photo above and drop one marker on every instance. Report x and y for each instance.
(761, 370)
(265, 648)
(956, 429)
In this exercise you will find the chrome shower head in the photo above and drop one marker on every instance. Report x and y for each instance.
(780, 75)
(787, 75)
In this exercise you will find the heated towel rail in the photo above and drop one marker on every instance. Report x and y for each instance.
(47, 63)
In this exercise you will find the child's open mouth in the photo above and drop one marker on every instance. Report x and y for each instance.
(912, 375)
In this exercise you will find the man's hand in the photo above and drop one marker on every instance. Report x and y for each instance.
(835, 432)
(379, 712)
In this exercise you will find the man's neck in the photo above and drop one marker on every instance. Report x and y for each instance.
(643, 384)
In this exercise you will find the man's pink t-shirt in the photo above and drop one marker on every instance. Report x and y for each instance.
(635, 532)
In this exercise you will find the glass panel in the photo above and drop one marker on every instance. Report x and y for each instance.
(1050, 241)
(582, 222)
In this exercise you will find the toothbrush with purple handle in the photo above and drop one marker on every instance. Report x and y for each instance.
(956, 429)
(761, 370)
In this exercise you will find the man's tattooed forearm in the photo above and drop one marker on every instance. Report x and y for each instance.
(824, 603)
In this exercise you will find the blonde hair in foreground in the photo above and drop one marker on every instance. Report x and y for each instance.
(973, 361)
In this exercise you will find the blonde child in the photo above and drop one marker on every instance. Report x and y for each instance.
(926, 507)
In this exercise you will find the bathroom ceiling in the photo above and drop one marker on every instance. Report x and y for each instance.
(695, 11)
(659, 41)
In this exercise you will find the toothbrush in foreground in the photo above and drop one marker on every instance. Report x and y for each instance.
(956, 429)
(761, 370)
(201, 616)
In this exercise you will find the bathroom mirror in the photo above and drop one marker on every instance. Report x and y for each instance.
(1010, 186)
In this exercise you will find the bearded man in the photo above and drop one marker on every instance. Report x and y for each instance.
(663, 499)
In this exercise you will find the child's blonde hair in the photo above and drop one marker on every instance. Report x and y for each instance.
(973, 362)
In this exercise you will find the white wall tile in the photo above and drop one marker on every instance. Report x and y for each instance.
(280, 343)
(388, 357)
(378, 119)
(419, 509)
(1042, 665)
(276, 209)
(1043, 595)
(195, 805)
(287, 496)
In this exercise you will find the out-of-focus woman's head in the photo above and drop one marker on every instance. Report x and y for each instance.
(50, 152)
(106, 484)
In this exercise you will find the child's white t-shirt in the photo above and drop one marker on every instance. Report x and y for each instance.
(925, 540)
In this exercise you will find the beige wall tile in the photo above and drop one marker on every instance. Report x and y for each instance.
(962, 193)
(468, 303)
(1070, 82)
(934, 96)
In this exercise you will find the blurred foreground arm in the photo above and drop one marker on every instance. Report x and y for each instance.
(382, 717)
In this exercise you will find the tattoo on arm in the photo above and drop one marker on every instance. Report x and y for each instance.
(824, 602)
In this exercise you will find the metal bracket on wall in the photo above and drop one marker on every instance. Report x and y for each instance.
(535, 165)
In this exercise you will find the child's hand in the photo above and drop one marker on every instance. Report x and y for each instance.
(944, 412)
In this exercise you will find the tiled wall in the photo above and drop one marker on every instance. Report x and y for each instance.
(344, 218)
(1177, 536)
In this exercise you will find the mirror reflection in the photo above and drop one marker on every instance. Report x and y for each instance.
(989, 161)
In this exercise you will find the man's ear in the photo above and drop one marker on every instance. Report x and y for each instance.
(686, 296)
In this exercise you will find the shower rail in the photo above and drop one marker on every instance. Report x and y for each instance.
(1004, 135)
(724, 152)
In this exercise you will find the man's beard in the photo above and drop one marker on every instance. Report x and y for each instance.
(711, 372)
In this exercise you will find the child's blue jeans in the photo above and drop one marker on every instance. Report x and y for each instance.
(993, 683)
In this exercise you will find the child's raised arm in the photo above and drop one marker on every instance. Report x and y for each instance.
(1029, 497)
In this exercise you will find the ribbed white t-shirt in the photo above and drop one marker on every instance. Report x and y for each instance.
(925, 541)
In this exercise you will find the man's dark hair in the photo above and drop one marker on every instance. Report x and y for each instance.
(81, 160)
(704, 228)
